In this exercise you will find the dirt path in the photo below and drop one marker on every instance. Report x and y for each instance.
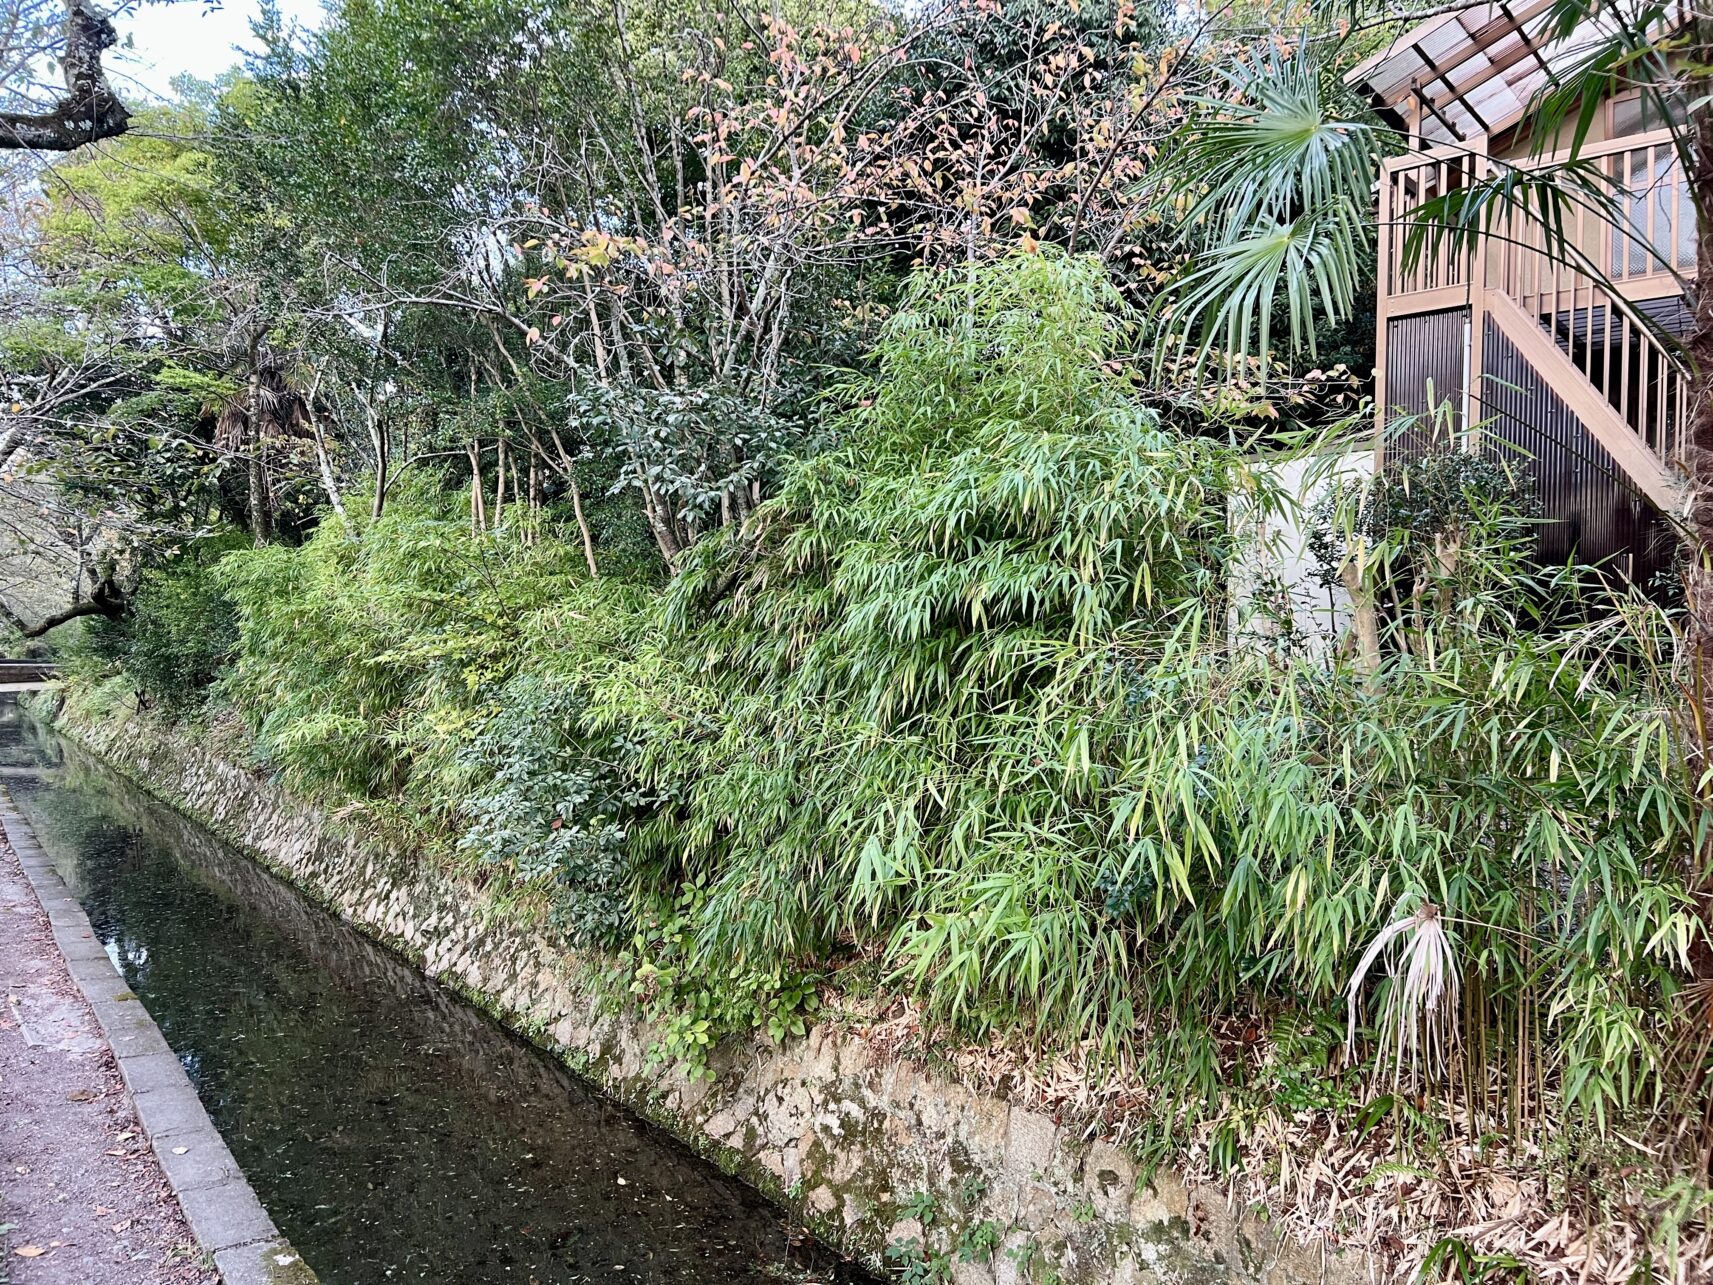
(82, 1199)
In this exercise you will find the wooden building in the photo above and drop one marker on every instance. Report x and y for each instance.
(1567, 363)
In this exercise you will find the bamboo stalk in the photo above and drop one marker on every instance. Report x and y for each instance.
(478, 505)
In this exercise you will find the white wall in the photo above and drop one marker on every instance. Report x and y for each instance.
(1276, 562)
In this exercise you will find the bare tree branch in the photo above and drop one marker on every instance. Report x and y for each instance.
(105, 600)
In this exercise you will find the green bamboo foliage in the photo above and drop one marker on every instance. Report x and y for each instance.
(965, 694)
(965, 699)
(370, 656)
(898, 659)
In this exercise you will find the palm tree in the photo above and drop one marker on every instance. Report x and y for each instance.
(248, 419)
(1284, 212)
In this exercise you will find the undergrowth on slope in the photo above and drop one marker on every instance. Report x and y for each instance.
(177, 638)
(373, 656)
(963, 711)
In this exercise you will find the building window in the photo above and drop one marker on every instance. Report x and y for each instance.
(1636, 113)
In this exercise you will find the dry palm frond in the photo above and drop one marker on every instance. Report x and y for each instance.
(280, 411)
(1418, 1020)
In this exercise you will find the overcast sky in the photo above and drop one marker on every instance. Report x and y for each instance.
(167, 40)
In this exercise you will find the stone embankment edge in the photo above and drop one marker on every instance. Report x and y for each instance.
(850, 1141)
(224, 1213)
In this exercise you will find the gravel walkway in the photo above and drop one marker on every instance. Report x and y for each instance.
(83, 1200)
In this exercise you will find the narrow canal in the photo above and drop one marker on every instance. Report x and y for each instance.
(394, 1133)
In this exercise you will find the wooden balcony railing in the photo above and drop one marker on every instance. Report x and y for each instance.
(1594, 291)
(1647, 250)
(1659, 238)
(1408, 182)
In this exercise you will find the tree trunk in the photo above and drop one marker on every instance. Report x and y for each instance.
(325, 464)
(478, 504)
(660, 522)
(537, 458)
(383, 461)
(583, 526)
(1355, 573)
(261, 525)
(569, 468)
(89, 109)
(1697, 458)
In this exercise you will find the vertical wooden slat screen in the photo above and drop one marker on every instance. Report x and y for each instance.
(1425, 369)
(1591, 513)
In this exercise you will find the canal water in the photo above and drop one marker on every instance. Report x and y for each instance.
(394, 1133)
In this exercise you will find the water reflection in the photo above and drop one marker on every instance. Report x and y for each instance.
(394, 1133)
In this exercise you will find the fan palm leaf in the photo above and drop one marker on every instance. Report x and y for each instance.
(1232, 298)
(1284, 186)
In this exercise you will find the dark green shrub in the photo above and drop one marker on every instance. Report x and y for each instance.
(178, 634)
(97, 647)
(549, 803)
(182, 632)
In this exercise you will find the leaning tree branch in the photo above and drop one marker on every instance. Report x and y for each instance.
(106, 600)
(90, 109)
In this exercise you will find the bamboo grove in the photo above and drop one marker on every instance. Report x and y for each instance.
(751, 483)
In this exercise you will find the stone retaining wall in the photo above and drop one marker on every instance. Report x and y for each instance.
(817, 1123)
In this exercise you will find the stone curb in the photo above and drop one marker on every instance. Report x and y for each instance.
(222, 1210)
